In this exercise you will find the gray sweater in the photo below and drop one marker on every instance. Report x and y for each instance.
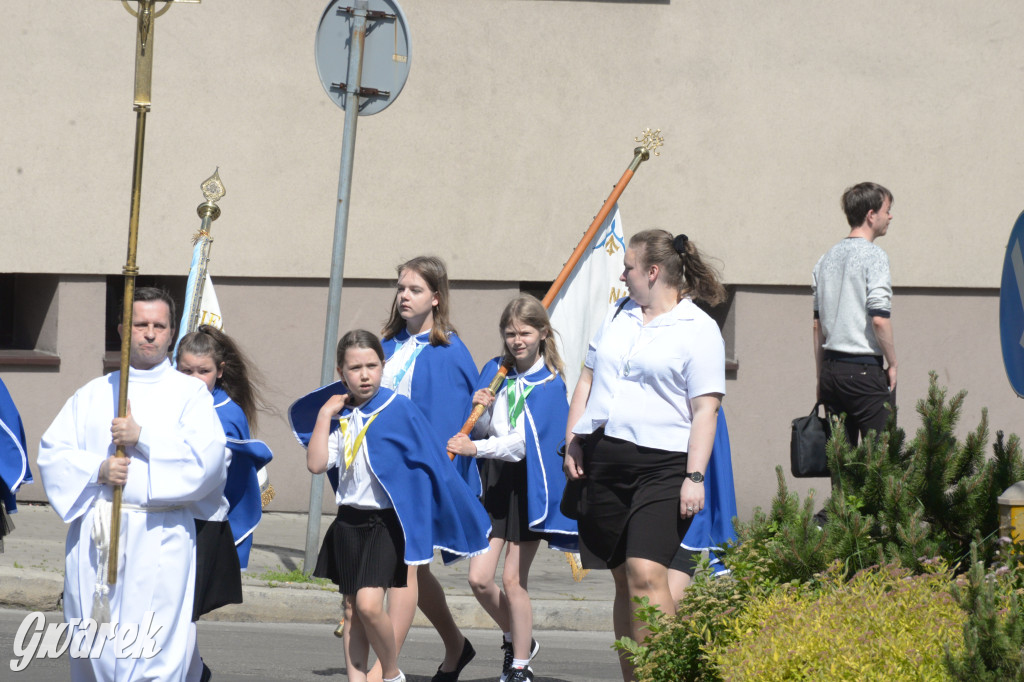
(851, 285)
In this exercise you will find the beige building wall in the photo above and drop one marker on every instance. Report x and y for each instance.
(950, 332)
(517, 119)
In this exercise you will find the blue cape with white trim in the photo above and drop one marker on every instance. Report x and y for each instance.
(711, 528)
(14, 469)
(546, 411)
(434, 506)
(242, 488)
(442, 387)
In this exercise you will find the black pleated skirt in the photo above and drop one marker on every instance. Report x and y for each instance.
(363, 548)
(218, 572)
(504, 498)
(631, 501)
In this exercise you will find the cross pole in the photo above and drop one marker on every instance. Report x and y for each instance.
(145, 16)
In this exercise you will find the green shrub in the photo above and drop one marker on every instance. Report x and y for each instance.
(894, 501)
(675, 649)
(993, 636)
(884, 624)
(896, 504)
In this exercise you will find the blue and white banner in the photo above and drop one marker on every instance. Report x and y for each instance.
(581, 305)
(209, 307)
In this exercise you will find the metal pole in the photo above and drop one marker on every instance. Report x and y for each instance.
(348, 145)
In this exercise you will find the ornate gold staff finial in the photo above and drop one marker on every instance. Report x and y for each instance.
(213, 187)
(213, 190)
(651, 140)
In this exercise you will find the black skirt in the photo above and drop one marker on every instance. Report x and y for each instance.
(218, 572)
(504, 498)
(686, 561)
(631, 502)
(363, 548)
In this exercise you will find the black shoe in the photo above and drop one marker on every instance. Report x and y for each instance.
(467, 655)
(506, 665)
(207, 674)
(521, 675)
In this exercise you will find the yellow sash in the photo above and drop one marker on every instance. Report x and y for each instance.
(351, 448)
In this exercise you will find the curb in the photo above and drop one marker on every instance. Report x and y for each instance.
(296, 603)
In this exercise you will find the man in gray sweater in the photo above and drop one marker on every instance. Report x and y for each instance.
(852, 326)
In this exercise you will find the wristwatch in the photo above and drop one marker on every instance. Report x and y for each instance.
(696, 477)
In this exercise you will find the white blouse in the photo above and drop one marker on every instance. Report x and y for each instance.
(358, 486)
(497, 440)
(646, 375)
(398, 369)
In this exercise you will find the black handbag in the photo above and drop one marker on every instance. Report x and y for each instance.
(571, 505)
(807, 458)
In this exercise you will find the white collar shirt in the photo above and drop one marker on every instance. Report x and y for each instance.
(646, 375)
(399, 367)
(496, 438)
(358, 486)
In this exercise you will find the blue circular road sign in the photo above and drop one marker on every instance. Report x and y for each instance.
(1011, 308)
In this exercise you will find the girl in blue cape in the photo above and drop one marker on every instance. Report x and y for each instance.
(213, 357)
(429, 364)
(517, 438)
(399, 498)
(225, 522)
(14, 470)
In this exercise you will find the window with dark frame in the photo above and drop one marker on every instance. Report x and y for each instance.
(28, 319)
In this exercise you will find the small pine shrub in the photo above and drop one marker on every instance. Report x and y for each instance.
(884, 624)
(786, 606)
(894, 501)
(993, 636)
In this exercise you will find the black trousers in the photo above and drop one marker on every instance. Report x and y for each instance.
(859, 391)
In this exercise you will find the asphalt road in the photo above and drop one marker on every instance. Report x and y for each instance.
(238, 652)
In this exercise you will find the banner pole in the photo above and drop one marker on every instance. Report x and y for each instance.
(650, 141)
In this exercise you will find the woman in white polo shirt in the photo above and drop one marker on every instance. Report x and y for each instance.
(642, 421)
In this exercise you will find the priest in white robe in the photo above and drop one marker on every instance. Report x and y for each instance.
(176, 455)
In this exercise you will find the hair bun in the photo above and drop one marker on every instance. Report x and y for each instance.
(679, 244)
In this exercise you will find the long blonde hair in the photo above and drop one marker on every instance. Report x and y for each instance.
(528, 310)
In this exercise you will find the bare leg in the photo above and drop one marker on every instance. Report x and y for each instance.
(434, 606)
(649, 579)
(677, 584)
(402, 609)
(482, 569)
(515, 578)
(357, 647)
(622, 617)
(402, 605)
(375, 622)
